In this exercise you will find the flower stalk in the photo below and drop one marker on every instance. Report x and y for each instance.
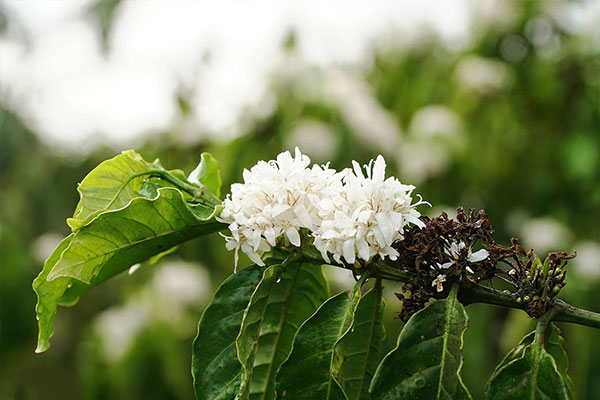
(567, 313)
(475, 293)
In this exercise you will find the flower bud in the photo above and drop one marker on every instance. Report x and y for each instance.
(555, 290)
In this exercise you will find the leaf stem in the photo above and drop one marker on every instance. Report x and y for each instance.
(542, 325)
(538, 345)
(567, 313)
(200, 195)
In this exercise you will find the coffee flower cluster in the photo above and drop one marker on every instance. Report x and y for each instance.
(443, 250)
(349, 214)
(536, 282)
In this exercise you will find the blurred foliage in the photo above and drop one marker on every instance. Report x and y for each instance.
(512, 125)
(103, 13)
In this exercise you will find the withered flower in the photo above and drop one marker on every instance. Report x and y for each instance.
(442, 251)
(536, 282)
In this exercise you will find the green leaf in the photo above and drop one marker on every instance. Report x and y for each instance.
(215, 366)
(427, 361)
(48, 295)
(535, 369)
(283, 300)
(111, 185)
(115, 182)
(247, 341)
(307, 372)
(208, 174)
(556, 346)
(112, 242)
(358, 353)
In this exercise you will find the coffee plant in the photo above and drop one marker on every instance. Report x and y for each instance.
(272, 330)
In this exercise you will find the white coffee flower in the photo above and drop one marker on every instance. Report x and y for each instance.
(455, 249)
(366, 216)
(277, 198)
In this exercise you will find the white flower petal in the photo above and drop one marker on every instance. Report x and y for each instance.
(479, 255)
(264, 245)
(279, 209)
(270, 236)
(349, 253)
(387, 229)
(414, 220)
(363, 249)
(253, 255)
(303, 216)
(379, 169)
(357, 170)
(293, 236)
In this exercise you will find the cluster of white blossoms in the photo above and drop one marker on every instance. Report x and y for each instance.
(277, 198)
(366, 216)
(348, 214)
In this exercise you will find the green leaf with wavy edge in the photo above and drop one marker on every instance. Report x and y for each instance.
(307, 372)
(117, 181)
(426, 363)
(535, 369)
(556, 346)
(207, 173)
(48, 294)
(215, 365)
(357, 354)
(283, 300)
(111, 243)
(111, 185)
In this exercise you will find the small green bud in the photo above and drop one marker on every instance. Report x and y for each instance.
(526, 299)
(556, 289)
(519, 300)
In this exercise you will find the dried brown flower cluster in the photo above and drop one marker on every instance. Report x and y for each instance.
(536, 282)
(443, 251)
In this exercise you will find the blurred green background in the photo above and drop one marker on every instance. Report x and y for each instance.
(509, 123)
